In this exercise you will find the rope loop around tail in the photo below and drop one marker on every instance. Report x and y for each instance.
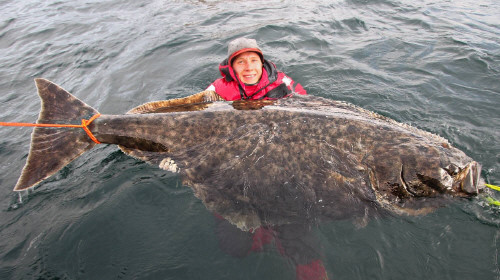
(84, 126)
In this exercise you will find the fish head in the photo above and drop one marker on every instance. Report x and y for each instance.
(454, 180)
(421, 189)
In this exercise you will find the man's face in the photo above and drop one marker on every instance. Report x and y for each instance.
(248, 67)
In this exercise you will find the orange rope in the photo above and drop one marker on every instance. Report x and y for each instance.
(84, 125)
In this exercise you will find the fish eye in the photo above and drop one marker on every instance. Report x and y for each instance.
(452, 169)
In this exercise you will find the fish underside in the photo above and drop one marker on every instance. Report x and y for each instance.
(303, 159)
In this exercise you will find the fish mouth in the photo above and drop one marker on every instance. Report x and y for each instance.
(470, 178)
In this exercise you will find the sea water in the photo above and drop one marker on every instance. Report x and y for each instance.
(431, 64)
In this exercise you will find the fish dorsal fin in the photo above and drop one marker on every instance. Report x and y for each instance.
(195, 102)
(252, 104)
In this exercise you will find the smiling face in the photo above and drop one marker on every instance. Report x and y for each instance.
(248, 67)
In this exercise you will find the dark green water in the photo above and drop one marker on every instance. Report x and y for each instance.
(432, 64)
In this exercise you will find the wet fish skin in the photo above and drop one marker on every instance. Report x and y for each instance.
(298, 160)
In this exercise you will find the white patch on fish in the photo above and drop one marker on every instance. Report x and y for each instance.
(169, 165)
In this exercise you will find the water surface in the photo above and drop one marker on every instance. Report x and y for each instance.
(432, 64)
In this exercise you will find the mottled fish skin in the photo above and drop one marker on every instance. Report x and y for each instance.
(297, 160)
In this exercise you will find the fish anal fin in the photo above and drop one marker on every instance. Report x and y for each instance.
(134, 143)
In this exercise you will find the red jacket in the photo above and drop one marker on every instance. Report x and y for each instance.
(272, 85)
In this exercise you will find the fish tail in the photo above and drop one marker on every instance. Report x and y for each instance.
(52, 148)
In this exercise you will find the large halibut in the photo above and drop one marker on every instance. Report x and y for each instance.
(297, 160)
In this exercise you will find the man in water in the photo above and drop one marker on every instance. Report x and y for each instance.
(247, 75)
